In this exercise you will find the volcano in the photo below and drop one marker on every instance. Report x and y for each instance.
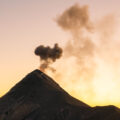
(39, 97)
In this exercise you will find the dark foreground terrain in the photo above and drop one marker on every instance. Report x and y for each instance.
(38, 97)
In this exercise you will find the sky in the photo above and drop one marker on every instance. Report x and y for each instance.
(26, 24)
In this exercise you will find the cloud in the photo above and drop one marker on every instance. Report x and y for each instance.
(48, 55)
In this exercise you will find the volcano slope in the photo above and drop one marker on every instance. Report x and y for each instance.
(38, 97)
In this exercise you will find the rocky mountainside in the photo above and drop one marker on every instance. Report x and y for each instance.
(38, 97)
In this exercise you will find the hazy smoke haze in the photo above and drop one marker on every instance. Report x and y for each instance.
(90, 66)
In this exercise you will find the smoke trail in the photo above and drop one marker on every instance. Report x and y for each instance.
(48, 55)
(76, 20)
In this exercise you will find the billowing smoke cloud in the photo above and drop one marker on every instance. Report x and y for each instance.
(48, 55)
(76, 20)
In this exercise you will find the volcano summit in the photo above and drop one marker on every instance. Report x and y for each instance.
(38, 97)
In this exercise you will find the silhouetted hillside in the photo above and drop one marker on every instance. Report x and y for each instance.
(38, 97)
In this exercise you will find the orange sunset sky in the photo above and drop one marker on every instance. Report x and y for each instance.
(25, 24)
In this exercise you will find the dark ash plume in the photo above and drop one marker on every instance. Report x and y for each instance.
(48, 55)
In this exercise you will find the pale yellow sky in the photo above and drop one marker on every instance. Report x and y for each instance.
(25, 24)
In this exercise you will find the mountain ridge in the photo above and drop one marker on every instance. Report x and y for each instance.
(39, 97)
